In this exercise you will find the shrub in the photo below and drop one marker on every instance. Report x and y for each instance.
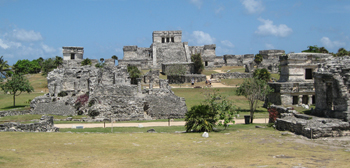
(198, 64)
(86, 61)
(93, 113)
(200, 118)
(81, 101)
(262, 74)
(273, 115)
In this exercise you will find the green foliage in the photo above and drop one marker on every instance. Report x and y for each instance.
(86, 61)
(315, 49)
(134, 73)
(176, 70)
(200, 118)
(342, 52)
(254, 90)
(258, 58)
(28, 101)
(198, 64)
(204, 117)
(4, 67)
(25, 66)
(262, 74)
(100, 65)
(58, 61)
(47, 66)
(115, 57)
(16, 85)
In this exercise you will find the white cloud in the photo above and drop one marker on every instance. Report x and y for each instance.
(47, 48)
(8, 44)
(118, 50)
(268, 28)
(24, 35)
(227, 44)
(253, 6)
(198, 3)
(201, 38)
(328, 43)
(269, 46)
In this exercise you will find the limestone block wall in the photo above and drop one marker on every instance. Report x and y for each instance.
(233, 75)
(45, 125)
(186, 78)
(154, 74)
(170, 52)
(189, 67)
(73, 52)
(219, 61)
(159, 35)
(234, 60)
(13, 113)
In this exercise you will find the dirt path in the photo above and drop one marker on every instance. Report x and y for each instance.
(145, 124)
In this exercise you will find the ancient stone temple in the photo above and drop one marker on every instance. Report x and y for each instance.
(76, 89)
(332, 83)
(166, 48)
(72, 53)
(296, 83)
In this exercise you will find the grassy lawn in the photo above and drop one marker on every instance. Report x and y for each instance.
(208, 72)
(239, 146)
(7, 100)
(232, 82)
(232, 69)
(197, 96)
(277, 76)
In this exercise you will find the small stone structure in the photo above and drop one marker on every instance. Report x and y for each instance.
(238, 60)
(187, 78)
(107, 91)
(166, 48)
(233, 75)
(309, 126)
(296, 84)
(72, 53)
(45, 125)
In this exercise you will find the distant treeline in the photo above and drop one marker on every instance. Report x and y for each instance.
(35, 66)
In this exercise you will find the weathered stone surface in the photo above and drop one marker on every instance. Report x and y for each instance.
(186, 78)
(13, 113)
(233, 75)
(45, 125)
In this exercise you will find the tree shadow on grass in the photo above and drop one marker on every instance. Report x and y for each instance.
(13, 107)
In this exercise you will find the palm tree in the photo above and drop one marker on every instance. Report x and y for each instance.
(115, 57)
(4, 66)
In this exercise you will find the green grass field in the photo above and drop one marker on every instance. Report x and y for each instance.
(239, 146)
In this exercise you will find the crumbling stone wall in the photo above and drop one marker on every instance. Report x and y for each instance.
(189, 67)
(332, 87)
(45, 125)
(13, 113)
(233, 75)
(153, 74)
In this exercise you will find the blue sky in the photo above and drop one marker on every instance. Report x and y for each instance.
(30, 29)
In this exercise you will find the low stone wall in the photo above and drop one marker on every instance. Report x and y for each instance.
(186, 78)
(13, 113)
(233, 75)
(310, 126)
(44, 125)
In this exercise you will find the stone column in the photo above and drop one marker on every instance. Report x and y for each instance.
(150, 86)
(300, 100)
(139, 85)
(309, 102)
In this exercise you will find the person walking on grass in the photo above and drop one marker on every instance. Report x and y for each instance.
(192, 81)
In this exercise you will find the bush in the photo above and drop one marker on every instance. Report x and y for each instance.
(86, 61)
(199, 119)
(62, 94)
(93, 113)
(258, 58)
(198, 64)
(262, 74)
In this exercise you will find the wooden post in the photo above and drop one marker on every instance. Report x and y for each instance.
(104, 124)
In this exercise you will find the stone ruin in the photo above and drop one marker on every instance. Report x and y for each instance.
(107, 91)
(296, 84)
(44, 125)
(332, 99)
(167, 48)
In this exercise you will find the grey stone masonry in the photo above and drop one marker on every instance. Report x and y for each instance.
(73, 53)
(309, 126)
(45, 125)
(186, 78)
(13, 113)
(233, 75)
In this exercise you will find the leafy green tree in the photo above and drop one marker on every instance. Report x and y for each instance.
(198, 64)
(25, 66)
(323, 50)
(312, 49)
(47, 66)
(262, 74)
(40, 60)
(58, 61)
(16, 85)
(258, 59)
(254, 90)
(134, 73)
(342, 52)
(115, 57)
(86, 61)
(204, 117)
(4, 67)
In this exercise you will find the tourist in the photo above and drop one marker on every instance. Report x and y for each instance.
(192, 81)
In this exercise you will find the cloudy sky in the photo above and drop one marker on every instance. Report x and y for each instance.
(30, 29)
